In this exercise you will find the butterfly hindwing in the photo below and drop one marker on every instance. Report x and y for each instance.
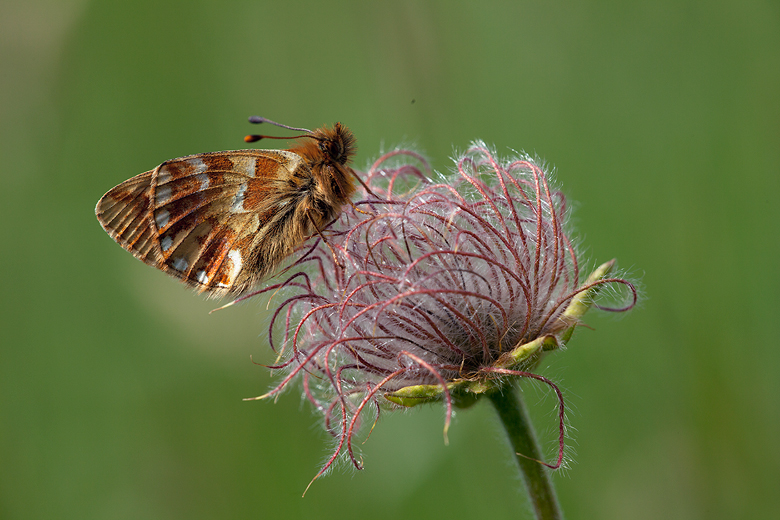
(124, 214)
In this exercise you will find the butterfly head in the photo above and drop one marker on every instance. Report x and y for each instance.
(337, 143)
(335, 146)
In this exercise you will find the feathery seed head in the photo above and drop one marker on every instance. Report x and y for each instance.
(436, 292)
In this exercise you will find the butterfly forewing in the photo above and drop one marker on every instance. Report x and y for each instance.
(200, 218)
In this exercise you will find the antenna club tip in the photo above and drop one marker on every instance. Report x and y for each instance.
(256, 120)
(252, 138)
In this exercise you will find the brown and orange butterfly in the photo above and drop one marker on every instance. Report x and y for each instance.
(223, 221)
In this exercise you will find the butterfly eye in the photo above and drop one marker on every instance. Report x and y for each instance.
(338, 156)
(334, 149)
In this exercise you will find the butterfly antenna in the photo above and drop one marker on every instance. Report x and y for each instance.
(257, 120)
(252, 138)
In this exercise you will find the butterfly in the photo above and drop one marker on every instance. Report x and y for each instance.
(223, 221)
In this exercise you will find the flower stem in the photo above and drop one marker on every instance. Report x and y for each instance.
(514, 417)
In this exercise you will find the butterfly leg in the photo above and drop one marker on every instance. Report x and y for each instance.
(358, 209)
(319, 232)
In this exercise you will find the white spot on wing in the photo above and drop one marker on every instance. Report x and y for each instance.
(180, 264)
(161, 217)
(163, 193)
(291, 160)
(166, 243)
(202, 277)
(245, 165)
(238, 200)
(163, 175)
(235, 258)
(197, 165)
(203, 179)
(234, 255)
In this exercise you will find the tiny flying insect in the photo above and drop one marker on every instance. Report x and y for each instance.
(223, 221)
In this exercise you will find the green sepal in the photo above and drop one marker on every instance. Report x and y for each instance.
(521, 354)
(463, 393)
(582, 302)
(418, 394)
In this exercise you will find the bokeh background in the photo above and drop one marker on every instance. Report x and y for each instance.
(120, 396)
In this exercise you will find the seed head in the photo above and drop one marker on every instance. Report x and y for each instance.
(431, 290)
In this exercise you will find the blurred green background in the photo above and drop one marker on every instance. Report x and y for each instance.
(120, 396)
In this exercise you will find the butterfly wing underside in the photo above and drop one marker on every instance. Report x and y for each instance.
(213, 220)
